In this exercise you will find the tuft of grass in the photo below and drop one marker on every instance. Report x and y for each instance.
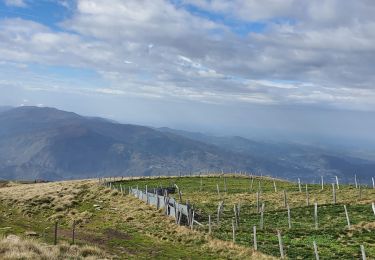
(14, 247)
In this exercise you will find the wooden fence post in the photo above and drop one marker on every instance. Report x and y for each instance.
(355, 181)
(179, 195)
(299, 185)
(219, 209)
(209, 225)
(322, 182)
(233, 231)
(316, 250)
(238, 211)
(176, 211)
(55, 235)
(280, 244)
(363, 252)
(337, 182)
(289, 221)
(347, 216)
(73, 231)
(307, 197)
(192, 220)
(274, 186)
(316, 215)
(255, 237)
(179, 217)
(147, 195)
(235, 214)
(261, 224)
(333, 194)
(373, 207)
(285, 199)
(373, 182)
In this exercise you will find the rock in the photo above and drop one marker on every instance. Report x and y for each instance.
(31, 234)
(13, 238)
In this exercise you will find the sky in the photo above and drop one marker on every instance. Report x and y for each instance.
(297, 70)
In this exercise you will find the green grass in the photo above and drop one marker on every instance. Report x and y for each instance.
(334, 239)
(123, 228)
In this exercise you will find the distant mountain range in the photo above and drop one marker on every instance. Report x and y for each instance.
(46, 143)
(4, 108)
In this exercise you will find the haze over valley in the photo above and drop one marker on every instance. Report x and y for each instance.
(50, 144)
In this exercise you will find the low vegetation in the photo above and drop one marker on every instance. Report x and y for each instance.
(108, 226)
(335, 240)
(14, 247)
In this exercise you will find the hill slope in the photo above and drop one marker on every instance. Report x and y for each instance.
(50, 144)
(121, 226)
(290, 160)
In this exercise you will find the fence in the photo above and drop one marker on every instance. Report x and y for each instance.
(180, 211)
(171, 206)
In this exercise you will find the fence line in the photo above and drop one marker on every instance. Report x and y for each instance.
(177, 210)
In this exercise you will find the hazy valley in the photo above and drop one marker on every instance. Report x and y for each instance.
(49, 144)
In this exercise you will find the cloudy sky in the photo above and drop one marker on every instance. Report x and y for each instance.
(270, 68)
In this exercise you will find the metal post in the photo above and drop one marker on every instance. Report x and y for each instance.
(233, 232)
(209, 225)
(289, 221)
(255, 238)
(347, 216)
(285, 199)
(316, 214)
(363, 252)
(280, 244)
(73, 231)
(55, 237)
(316, 251)
(307, 197)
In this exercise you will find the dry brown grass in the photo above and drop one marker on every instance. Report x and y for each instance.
(13, 247)
(155, 224)
(60, 198)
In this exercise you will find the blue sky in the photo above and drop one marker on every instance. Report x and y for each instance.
(47, 12)
(228, 67)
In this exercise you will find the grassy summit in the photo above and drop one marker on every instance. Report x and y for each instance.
(109, 226)
(334, 239)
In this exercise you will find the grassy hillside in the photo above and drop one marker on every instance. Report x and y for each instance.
(109, 225)
(334, 239)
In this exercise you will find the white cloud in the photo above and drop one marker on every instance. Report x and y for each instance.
(110, 91)
(16, 3)
(157, 49)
